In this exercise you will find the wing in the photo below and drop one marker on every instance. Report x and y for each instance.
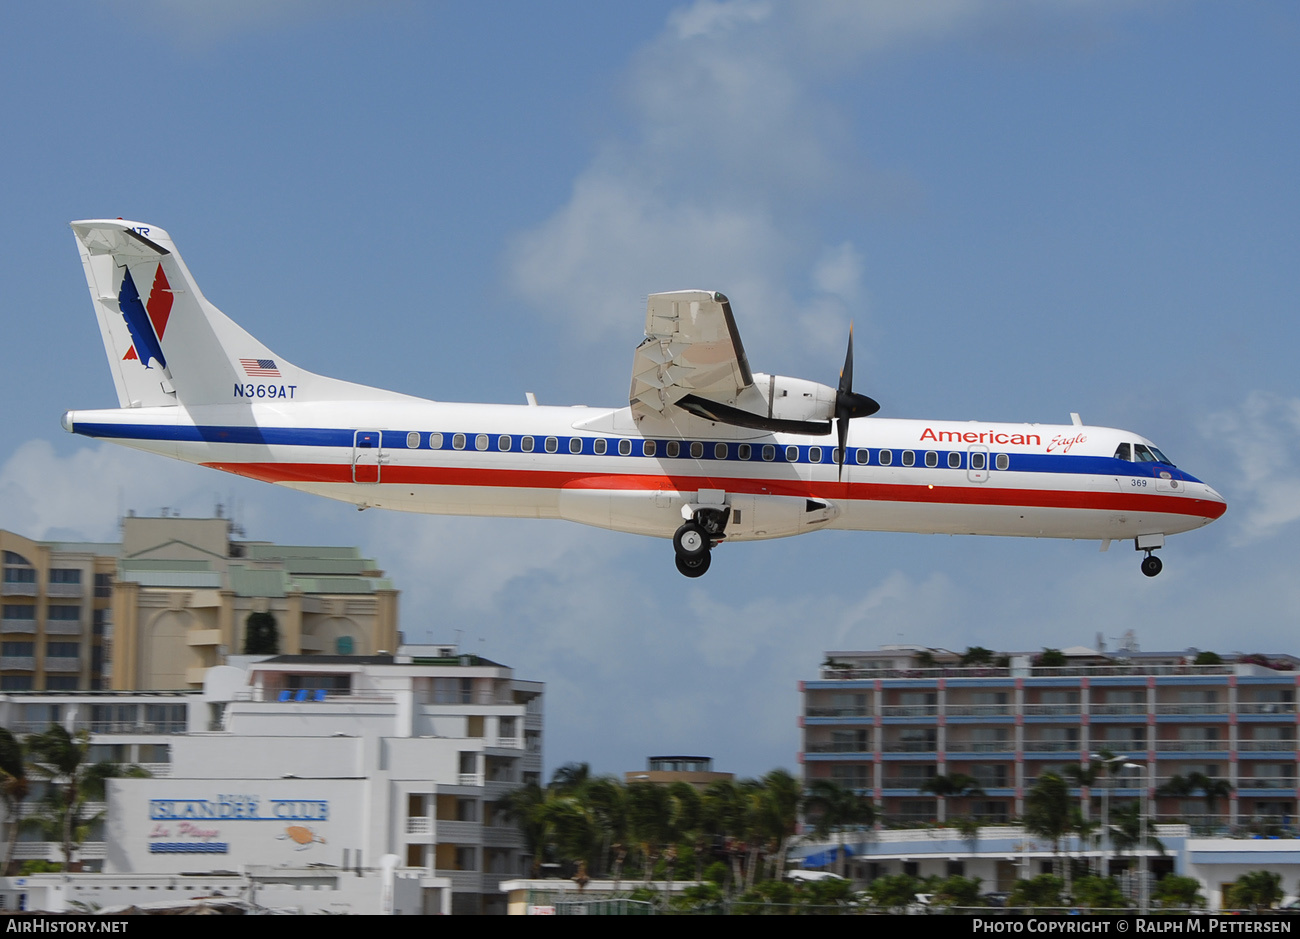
(691, 350)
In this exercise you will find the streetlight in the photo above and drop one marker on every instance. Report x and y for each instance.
(1144, 888)
(1109, 762)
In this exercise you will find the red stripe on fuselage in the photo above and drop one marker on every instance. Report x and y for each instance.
(974, 494)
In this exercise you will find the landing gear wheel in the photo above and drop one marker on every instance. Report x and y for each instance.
(690, 542)
(1151, 565)
(694, 567)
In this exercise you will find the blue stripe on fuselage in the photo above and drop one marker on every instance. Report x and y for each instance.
(396, 440)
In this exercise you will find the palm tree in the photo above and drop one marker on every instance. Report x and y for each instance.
(1048, 814)
(832, 809)
(524, 807)
(1211, 789)
(954, 785)
(13, 790)
(62, 759)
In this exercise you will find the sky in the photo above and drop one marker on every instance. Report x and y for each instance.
(1024, 209)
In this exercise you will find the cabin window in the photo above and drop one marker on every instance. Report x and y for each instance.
(503, 443)
(480, 442)
(648, 448)
(954, 460)
(458, 442)
(575, 444)
(769, 452)
(552, 445)
(1122, 452)
(977, 459)
(673, 449)
(886, 457)
(1003, 461)
(435, 441)
(526, 444)
(931, 459)
(412, 441)
(792, 454)
(909, 458)
(814, 454)
(719, 451)
(863, 456)
(697, 450)
(625, 448)
(599, 445)
(744, 451)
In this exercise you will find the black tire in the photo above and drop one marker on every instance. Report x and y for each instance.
(690, 541)
(694, 567)
(1151, 565)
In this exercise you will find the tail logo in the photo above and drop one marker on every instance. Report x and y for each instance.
(146, 322)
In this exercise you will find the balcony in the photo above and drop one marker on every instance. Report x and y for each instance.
(62, 627)
(419, 825)
(17, 590)
(1265, 707)
(840, 746)
(837, 712)
(1257, 746)
(1051, 746)
(63, 590)
(979, 710)
(1267, 782)
(59, 663)
(1188, 709)
(17, 625)
(980, 746)
(1117, 710)
(911, 746)
(1190, 746)
(909, 710)
(18, 663)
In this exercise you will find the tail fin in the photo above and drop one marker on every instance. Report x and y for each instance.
(167, 344)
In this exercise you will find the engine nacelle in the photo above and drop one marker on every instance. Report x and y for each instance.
(793, 399)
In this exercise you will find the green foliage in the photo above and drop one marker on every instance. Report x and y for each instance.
(1099, 893)
(717, 873)
(1207, 658)
(977, 655)
(1176, 892)
(958, 891)
(1256, 890)
(1050, 658)
(1043, 890)
(261, 637)
(60, 758)
(925, 659)
(894, 892)
(40, 867)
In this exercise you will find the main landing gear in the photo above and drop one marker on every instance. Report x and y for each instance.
(1151, 565)
(694, 541)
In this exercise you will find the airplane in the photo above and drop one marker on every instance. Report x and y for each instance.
(706, 451)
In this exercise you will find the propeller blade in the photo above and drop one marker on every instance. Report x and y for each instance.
(849, 404)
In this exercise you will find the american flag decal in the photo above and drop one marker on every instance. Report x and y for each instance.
(260, 368)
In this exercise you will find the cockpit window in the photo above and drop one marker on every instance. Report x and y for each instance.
(1123, 452)
(1145, 454)
(1160, 457)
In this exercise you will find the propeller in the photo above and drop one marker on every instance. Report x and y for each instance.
(849, 404)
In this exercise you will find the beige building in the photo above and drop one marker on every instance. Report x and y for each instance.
(172, 600)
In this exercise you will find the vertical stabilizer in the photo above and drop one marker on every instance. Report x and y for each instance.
(166, 344)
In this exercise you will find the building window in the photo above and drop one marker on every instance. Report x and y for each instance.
(65, 575)
(11, 649)
(20, 575)
(62, 650)
(343, 645)
(23, 611)
(15, 682)
(60, 682)
(63, 613)
(103, 585)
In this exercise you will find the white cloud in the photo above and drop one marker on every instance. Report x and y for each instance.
(1261, 439)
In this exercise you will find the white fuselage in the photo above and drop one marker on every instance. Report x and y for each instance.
(603, 468)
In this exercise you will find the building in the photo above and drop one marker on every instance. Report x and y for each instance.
(299, 775)
(172, 599)
(884, 722)
(666, 770)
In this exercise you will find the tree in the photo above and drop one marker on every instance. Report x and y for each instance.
(977, 655)
(1048, 814)
(261, 637)
(1050, 658)
(1043, 890)
(1174, 892)
(1207, 658)
(954, 785)
(13, 790)
(831, 808)
(1211, 789)
(894, 892)
(524, 807)
(1256, 890)
(958, 891)
(61, 758)
(1099, 893)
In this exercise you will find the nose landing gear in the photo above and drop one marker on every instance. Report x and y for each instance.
(1151, 565)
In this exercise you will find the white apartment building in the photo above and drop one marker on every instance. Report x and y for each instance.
(304, 777)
